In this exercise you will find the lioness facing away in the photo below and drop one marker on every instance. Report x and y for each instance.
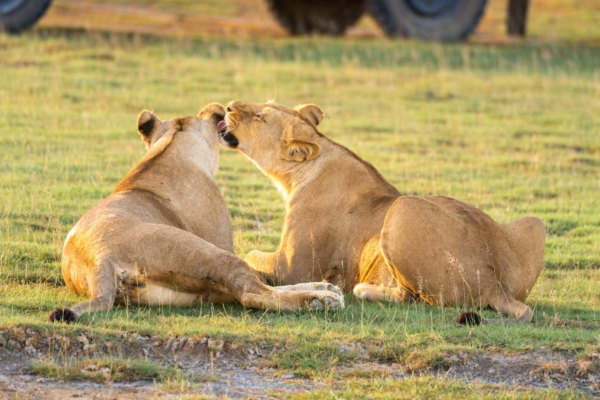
(347, 225)
(164, 237)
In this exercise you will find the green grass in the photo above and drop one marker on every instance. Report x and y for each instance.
(426, 388)
(512, 130)
(103, 370)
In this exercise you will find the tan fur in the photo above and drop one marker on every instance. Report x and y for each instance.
(347, 225)
(164, 237)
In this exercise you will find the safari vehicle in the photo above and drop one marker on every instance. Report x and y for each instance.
(17, 15)
(441, 20)
(444, 20)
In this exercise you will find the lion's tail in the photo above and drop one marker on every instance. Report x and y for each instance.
(472, 319)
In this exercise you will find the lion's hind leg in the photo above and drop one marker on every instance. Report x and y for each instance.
(176, 258)
(505, 304)
(527, 238)
(285, 299)
(102, 292)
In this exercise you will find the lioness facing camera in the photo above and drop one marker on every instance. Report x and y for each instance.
(347, 225)
(164, 237)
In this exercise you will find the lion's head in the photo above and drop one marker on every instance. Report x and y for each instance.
(268, 133)
(152, 129)
(157, 135)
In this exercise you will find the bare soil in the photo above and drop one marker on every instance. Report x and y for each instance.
(230, 379)
(230, 370)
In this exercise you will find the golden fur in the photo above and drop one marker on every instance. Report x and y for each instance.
(347, 225)
(164, 237)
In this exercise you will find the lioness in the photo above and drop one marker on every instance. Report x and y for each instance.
(347, 225)
(164, 237)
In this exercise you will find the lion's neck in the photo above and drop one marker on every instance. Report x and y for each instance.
(283, 190)
(288, 181)
(181, 174)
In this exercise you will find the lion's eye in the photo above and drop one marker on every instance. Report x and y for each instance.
(259, 116)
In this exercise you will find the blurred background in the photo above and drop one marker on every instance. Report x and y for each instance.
(572, 21)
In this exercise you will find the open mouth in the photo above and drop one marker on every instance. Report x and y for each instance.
(222, 127)
(227, 136)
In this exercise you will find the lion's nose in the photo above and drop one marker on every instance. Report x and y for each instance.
(233, 105)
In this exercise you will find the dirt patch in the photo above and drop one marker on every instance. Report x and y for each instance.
(236, 372)
(534, 370)
(230, 379)
(541, 370)
(226, 369)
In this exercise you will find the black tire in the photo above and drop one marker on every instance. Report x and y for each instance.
(315, 16)
(17, 15)
(441, 20)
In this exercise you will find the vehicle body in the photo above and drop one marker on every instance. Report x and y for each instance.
(18, 15)
(438, 20)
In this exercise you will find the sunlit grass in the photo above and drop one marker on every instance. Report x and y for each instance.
(428, 387)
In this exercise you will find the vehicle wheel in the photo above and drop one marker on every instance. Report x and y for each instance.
(17, 15)
(442, 20)
(315, 16)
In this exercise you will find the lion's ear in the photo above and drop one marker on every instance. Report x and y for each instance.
(311, 112)
(296, 144)
(147, 125)
(212, 111)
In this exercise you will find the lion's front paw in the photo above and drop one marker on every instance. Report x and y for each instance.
(361, 291)
(327, 300)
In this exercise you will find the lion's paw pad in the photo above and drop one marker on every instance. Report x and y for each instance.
(316, 305)
(330, 287)
(334, 303)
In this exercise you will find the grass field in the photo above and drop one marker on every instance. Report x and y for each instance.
(512, 130)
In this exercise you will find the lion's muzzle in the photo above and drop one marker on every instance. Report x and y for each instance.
(227, 136)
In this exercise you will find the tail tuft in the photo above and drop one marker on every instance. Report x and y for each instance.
(62, 315)
(469, 318)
